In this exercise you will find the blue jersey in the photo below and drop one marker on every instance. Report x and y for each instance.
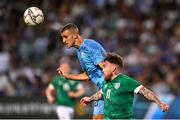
(90, 54)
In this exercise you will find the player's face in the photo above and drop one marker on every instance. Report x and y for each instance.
(65, 67)
(106, 68)
(68, 38)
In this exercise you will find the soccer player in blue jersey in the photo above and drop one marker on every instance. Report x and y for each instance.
(90, 54)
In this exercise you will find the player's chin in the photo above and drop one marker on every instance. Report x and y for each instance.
(107, 78)
(68, 46)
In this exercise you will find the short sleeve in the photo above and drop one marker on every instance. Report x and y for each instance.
(131, 85)
(79, 86)
(51, 86)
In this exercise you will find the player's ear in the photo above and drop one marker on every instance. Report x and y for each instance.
(113, 68)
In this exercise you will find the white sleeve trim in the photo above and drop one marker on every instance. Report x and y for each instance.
(51, 86)
(137, 89)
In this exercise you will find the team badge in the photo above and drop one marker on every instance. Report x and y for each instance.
(83, 54)
(117, 85)
(105, 86)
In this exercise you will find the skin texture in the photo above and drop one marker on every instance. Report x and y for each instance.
(110, 72)
(50, 93)
(71, 38)
(152, 97)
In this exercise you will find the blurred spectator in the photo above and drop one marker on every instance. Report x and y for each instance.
(145, 32)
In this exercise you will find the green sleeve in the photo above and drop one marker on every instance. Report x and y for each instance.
(74, 85)
(131, 84)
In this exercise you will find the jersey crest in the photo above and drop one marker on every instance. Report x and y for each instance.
(83, 54)
(117, 85)
(105, 85)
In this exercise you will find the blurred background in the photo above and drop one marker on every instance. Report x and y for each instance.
(145, 32)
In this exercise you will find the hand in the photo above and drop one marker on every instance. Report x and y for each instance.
(62, 73)
(71, 94)
(164, 107)
(51, 99)
(85, 100)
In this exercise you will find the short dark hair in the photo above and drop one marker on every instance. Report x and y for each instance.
(115, 59)
(69, 26)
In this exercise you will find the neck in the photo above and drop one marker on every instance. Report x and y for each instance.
(78, 42)
(115, 75)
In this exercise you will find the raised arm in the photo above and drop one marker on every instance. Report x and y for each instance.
(86, 100)
(82, 76)
(153, 97)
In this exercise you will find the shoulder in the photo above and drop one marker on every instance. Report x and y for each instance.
(57, 78)
(72, 82)
(130, 82)
(92, 44)
(127, 78)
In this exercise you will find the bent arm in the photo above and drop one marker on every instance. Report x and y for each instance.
(78, 93)
(50, 94)
(149, 95)
(86, 100)
(82, 76)
(153, 97)
(96, 96)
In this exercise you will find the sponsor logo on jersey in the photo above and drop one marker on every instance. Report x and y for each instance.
(66, 87)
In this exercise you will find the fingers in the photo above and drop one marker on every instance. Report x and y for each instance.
(83, 102)
(59, 70)
(164, 107)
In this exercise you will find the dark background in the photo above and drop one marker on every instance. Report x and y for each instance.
(145, 32)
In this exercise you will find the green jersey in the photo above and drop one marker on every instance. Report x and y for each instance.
(62, 87)
(118, 97)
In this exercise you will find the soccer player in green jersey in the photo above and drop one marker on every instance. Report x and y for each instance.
(63, 92)
(118, 91)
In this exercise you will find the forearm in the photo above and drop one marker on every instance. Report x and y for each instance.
(150, 95)
(81, 77)
(50, 96)
(96, 96)
(78, 93)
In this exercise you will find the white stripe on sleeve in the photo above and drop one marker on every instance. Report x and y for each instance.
(51, 86)
(137, 89)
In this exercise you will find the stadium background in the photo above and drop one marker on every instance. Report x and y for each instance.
(145, 32)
